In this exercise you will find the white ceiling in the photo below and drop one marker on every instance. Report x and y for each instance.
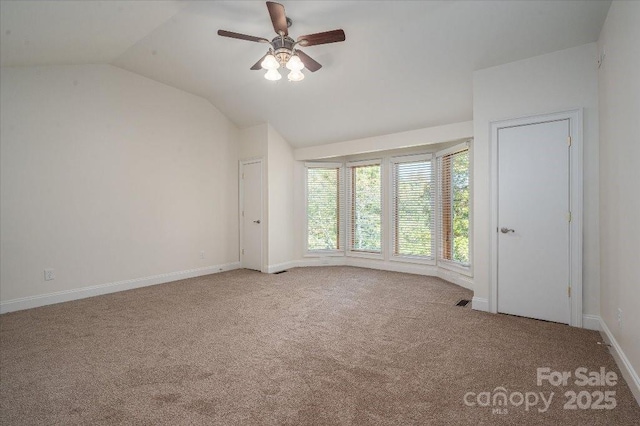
(405, 64)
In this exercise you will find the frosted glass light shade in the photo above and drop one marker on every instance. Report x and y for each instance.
(272, 75)
(270, 63)
(296, 75)
(294, 63)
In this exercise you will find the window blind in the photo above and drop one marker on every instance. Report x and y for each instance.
(365, 224)
(412, 209)
(325, 197)
(453, 207)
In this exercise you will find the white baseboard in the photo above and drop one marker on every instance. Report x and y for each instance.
(591, 322)
(629, 374)
(319, 261)
(407, 268)
(281, 266)
(454, 277)
(97, 290)
(480, 304)
(361, 262)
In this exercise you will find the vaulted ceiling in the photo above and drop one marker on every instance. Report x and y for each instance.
(404, 64)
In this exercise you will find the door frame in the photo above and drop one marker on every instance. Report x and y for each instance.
(575, 204)
(244, 163)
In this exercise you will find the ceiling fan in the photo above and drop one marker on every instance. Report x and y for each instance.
(283, 51)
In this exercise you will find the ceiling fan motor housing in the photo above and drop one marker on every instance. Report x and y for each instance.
(283, 48)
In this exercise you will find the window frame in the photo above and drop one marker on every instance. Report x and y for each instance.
(349, 209)
(452, 265)
(386, 162)
(340, 251)
(412, 158)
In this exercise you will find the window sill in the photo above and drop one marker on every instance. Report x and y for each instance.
(365, 255)
(320, 253)
(410, 259)
(454, 267)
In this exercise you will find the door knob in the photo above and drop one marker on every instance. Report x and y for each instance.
(506, 230)
(256, 221)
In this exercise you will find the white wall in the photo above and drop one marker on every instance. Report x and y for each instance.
(253, 142)
(280, 205)
(619, 89)
(557, 81)
(411, 138)
(109, 176)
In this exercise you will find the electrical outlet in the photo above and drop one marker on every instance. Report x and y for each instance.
(49, 274)
(202, 254)
(619, 318)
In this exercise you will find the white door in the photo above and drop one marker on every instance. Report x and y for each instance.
(533, 221)
(251, 216)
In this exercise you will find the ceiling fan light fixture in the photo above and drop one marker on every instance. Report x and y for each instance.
(296, 75)
(294, 63)
(282, 49)
(270, 62)
(272, 75)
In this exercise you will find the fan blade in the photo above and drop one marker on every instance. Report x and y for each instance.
(321, 38)
(308, 61)
(258, 65)
(278, 17)
(239, 36)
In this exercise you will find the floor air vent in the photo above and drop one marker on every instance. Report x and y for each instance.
(463, 302)
(279, 272)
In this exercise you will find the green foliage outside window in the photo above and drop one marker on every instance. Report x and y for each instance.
(366, 215)
(413, 209)
(460, 213)
(323, 209)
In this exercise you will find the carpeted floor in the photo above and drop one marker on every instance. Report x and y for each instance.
(330, 345)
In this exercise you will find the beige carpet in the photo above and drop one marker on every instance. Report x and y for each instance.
(331, 345)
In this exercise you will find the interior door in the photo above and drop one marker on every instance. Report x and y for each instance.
(251, 216)
(533, 221)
